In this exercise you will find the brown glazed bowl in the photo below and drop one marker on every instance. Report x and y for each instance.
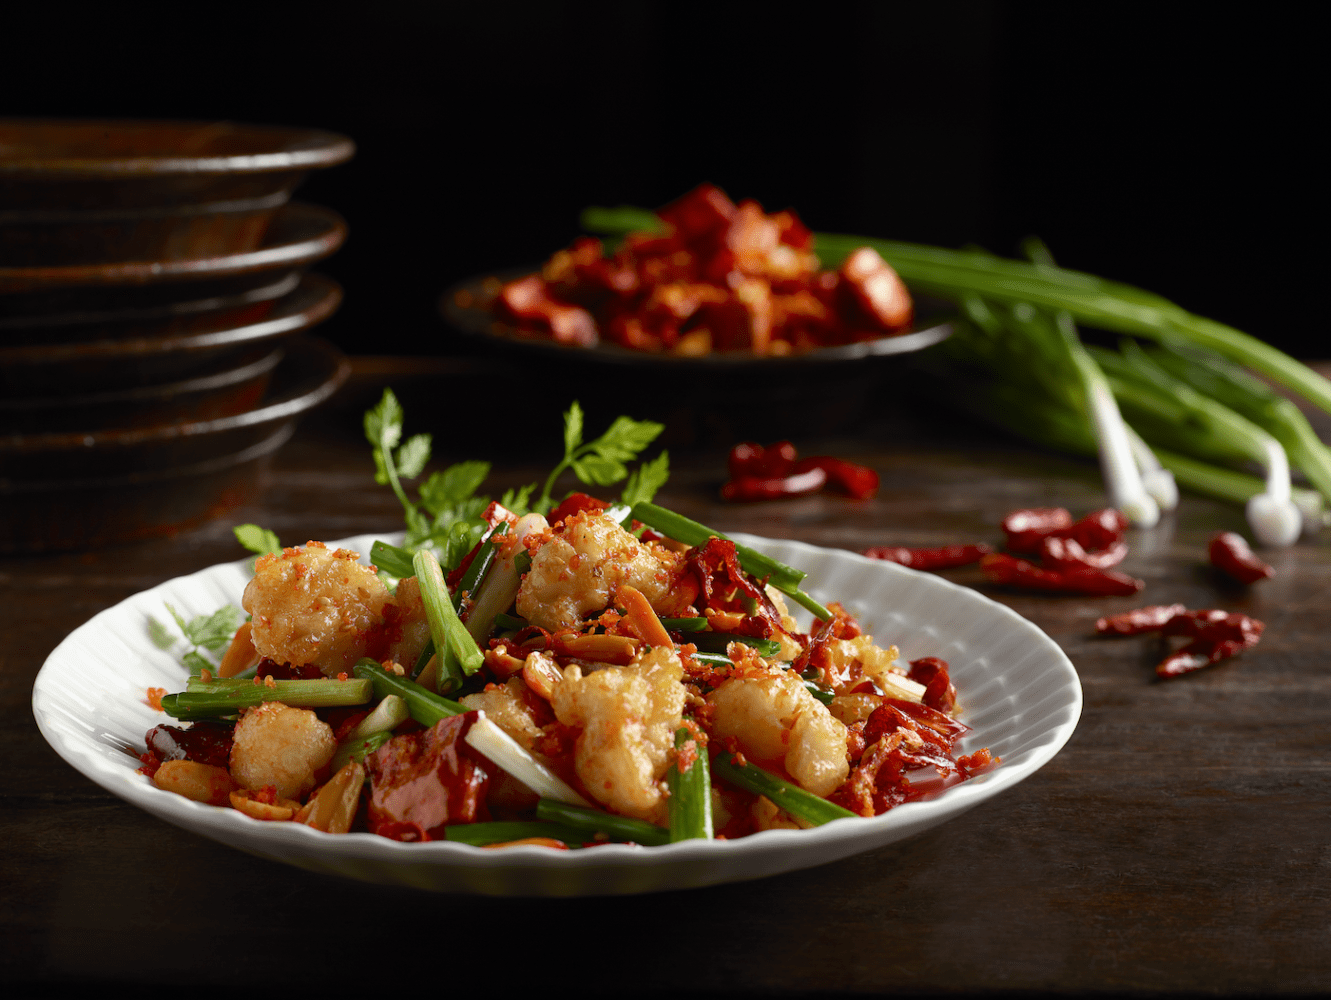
(88, 192)
(70, 491)
(299, 235)
(132, 351)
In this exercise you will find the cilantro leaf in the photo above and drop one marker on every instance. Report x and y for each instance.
(258, 540)
(214, 631)
(572, 429)
(626, 437)
(646, 480)
(453, 486)
(160, 636)
(599, 470)
(519, 500)
(413, 455)
(383, 423)
(197, 663)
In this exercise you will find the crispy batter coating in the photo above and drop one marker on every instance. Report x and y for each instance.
(575, 572)
(774, 717)
(282, 746)
(628, 716)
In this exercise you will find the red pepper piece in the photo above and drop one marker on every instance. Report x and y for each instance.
(859, 482)
(744, 489)
(1065, 553)
(773, 462)
(947, 557)
(1140, 620)
(1026, 529)
(1230, 553)
(1100, 529)
(1002, 568)
(528, 300)
(575, 503)
(939, 692)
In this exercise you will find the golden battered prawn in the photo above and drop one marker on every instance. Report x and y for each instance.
(628, 717)
(575, 570)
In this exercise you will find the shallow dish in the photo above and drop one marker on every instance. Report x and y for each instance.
(1018, 690)
(102, 191)
(138, 351)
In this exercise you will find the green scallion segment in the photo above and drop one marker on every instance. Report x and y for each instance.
(357, 750)
(459, 656)
(425, 706)
(716, 642)
(690, 791)
(684, 624)
(595, 821)
(230, 698)
(793, 799)
(481, 834)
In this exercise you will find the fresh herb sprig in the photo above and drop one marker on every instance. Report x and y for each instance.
(211, 632)
(447, 517)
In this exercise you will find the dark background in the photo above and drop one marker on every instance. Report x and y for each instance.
(1167, 152)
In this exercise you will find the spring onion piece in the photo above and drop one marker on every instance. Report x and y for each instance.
(425, 706)
(718, 642)
(790, 797)
(502, 832)
(390, 713)
(596, 821)
(784, 578)
(479, 568)
(457, 650)
(509, 754)
(1238, 487)
(684, 624)
(229, 697)
(497, 592)
(690, 790)
(357, 750)
(1174, 408)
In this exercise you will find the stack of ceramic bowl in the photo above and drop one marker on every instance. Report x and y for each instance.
(154, 290)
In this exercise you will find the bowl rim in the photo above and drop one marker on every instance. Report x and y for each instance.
(297, 148)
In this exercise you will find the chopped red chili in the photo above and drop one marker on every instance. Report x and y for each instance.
(947, 557)
(748, 488)
(859, 482)
(1026, 529)
(773, 462)
(1216, 634)
(1002, 568)
(1138, 621)
(1230, 553)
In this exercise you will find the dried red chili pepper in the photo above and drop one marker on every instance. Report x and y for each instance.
(947, 557)
(1230, 553)
(859, 482)
(939, 692)
(1064, 553)
(1002, 568)
(1139, 620)
(1026, 529)
(748, 488)
(776, 461)
(1216, 634)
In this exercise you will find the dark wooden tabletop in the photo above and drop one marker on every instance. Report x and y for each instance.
(1180, 843)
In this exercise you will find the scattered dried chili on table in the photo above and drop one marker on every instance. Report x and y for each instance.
(1230, 553)
(1027, 529)
(758, 473)
(947, 557)
(1000, 567)
(1216, 634)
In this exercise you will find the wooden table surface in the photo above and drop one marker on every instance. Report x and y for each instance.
(1180, 843)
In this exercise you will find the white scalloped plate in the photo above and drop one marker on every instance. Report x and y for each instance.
(1018, 692)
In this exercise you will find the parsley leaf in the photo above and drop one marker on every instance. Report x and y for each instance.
(599, 462)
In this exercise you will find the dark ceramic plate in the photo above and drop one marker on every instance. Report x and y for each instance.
(222, 393)
(463, 307)
(309, 372)
(299, 235)
(136, 352)
(81, 491)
